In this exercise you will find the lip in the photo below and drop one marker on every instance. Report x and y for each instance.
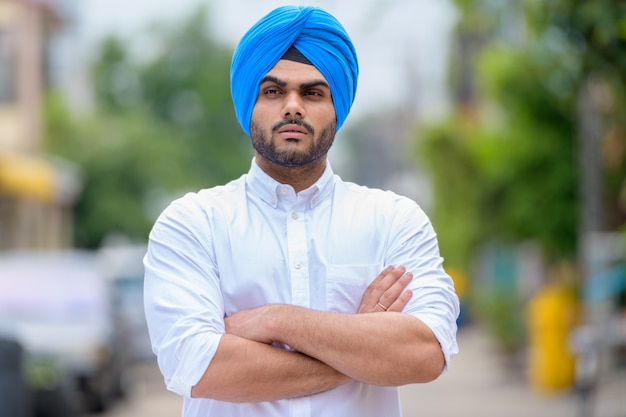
(293, 129)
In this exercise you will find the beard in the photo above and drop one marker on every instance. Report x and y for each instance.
(292, 158)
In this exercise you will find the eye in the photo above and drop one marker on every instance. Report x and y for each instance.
(271, 91)
(314, 94)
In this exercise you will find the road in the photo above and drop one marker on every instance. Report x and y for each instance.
(148, 397)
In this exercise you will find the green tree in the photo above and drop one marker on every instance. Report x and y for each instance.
(163, 125)
(506, 164)
(510, 147)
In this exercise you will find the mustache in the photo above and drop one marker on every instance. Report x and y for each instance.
(298, 122)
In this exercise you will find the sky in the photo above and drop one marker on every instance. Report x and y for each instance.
(403, 45)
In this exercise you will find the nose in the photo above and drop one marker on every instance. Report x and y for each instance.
(293, 107)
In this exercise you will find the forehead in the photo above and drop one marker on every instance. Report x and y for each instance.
(295, 72)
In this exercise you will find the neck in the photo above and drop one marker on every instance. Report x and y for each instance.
(300, 178)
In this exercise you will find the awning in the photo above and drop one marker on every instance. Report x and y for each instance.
(27, 176)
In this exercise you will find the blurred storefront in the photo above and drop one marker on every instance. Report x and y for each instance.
(37, 191)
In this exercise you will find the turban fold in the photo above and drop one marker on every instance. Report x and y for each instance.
(316, 34)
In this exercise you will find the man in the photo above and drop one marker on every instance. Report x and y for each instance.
(289, 292)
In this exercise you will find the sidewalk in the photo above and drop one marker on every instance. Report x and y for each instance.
(479, 384)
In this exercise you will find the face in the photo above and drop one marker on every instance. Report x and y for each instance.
(293, 121)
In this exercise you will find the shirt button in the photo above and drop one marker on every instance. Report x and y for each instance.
(284, 190)
(294, 216)
(297, 265)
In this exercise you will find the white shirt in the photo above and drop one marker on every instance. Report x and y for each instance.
(255, 241)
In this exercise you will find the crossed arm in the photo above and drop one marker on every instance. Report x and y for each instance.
(376, 346)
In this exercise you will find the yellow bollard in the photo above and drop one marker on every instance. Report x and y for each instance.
(552, 315)
(461, 287)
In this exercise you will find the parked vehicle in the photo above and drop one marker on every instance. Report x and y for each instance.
(58, 306)
(123, 266)
(14, 393)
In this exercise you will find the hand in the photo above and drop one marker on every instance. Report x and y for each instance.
(387, 292)
(249, 324)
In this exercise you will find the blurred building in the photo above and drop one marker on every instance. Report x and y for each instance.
(37, 191)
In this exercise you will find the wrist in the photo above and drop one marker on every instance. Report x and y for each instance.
(280, 321)
(272, 321)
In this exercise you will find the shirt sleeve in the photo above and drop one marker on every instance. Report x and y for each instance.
(182, 298)
(413, 243)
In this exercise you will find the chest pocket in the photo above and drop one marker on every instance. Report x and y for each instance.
(345, 285)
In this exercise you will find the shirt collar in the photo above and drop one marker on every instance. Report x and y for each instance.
(273, 192)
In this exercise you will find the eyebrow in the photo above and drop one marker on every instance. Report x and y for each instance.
(303, 86)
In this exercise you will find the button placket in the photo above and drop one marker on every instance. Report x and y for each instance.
(297, 248)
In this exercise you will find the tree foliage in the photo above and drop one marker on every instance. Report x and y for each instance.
(163, 124)
(505, 165)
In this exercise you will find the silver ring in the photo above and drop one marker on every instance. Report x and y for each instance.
(381, 306)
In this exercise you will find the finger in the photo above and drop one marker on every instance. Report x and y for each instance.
(393, 292)
(401, 301)
(383, 276)
(375, 290)
(387, 279)
(381, 307)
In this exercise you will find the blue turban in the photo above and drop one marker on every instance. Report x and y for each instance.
(316, 34)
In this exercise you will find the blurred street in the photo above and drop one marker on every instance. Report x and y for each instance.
(148, 397)
(479, 384)
(503, 120)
